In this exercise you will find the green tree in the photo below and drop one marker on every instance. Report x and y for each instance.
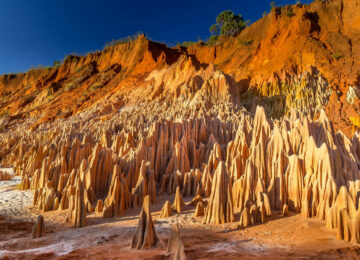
(228, 24)
(57, 63)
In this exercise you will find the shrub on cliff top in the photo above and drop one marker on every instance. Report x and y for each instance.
(57, 63)
(187, 43)
(212, 40)
(126, 39)
(228, 24)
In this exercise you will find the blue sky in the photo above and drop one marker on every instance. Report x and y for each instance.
(37, 32)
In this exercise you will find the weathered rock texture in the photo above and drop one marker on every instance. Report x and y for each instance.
(145, 236)
(166, 210)
(175, 245)
(199, 211)
(156, 120)
(77, 212)
(299, 56)
(4, 176)
(39, 228)
(250, 164)
(220, 208)
(178, 202)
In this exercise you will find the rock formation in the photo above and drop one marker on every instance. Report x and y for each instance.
(178, 202)
(245, 218)
(251, 165)
(77, 212)
(99, 206)
(4, 176)
(285, 211)
(145, 236)
(186, 121)
(220, 207)
(175, 245)
(199, 211)
(166, 210)
(39, 228)
(344, 217)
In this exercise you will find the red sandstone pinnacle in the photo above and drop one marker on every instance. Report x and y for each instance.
(166, 210)
(115, 202)
(39, 228)
(344, 217)
(175, 245)
(145, 184)
(285, 211)
(196, 200)
(145, 236)
(200, 210)
(4, 176)
(25, 183)
(220, 206)
(245, 218)
(292, 163)
(178, 202)
(77, 212)
(99, 206)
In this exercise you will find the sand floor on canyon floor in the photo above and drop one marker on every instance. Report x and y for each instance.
(13, 202)
(279, 238)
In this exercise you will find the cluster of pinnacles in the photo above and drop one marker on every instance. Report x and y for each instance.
(246, 169)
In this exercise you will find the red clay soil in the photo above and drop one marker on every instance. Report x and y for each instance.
(321, 38)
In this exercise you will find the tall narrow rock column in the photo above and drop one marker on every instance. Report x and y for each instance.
(220, 208)
(145, 236)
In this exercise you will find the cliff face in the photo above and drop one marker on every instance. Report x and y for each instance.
(291, 44)
(80, 81)
(302, 56)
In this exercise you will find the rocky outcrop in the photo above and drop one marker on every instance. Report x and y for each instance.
(344, 217)
(119, 128)
(5, 176)
(145, 236)
(178, 202)
(285, 211)
(115, 203)
(199, 211)
(181, 131)
(99, 206)
(25, 183)
(166, 210)
(175, 245)
(220, 207)
(77, 212)
(250, 164)
(245, 218)
(39, 228)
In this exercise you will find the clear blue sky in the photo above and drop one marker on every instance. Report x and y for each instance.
(37, 32)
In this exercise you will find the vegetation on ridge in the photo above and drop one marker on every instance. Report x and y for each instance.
(123, 40)
(227, 24)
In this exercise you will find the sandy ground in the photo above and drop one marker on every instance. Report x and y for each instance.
(279, 238)
(14, 203)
